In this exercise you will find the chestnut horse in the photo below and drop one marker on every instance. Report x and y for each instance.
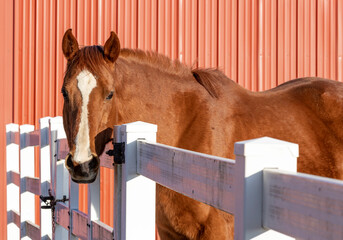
(200, 110)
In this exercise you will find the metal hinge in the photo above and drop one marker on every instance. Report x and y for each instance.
(118, 153)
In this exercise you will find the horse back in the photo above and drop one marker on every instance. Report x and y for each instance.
(306, 111)
(322, 97)
(216, 112)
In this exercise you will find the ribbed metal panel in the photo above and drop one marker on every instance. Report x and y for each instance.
(339, 41)
(167, 28)
(267, 44)
(286, 40)
(258, 43)
(6, 97)
(307, 38)
(227, 37)
(248, 43)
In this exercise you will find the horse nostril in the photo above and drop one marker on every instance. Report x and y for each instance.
(69, 161)
(93, 163)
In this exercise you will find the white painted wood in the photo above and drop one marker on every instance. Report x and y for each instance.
(140, 191)
(251, 158)
(63, 148)
(106, 160)
(30, 184)
(30, 230)
(140, 208)
(33, 138)
(13, 191)
(80, 224)
(303, 206)
(62, 180)
(203, 177)
(13, 177)
(13, 217)
(129, 133)
(45, 178)
(59, 174)
(119, 195)
(73, 188)
(62, 189)
(53, 128)
(27, 164)
(73, 204)
(62, 218)
(93, 203)
(101, 231)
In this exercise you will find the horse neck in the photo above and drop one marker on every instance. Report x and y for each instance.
(149, 94)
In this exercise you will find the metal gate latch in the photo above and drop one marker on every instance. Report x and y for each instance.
(50, 203)
(118, 153)
(50, 200)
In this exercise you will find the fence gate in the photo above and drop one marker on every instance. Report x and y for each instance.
(60, 217)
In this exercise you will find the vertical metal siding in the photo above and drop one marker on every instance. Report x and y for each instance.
(286, 41)
(258, 43)
(267, 44)
(187, 48)
(339, 41)
(6, 97)
(306, 38)
(228, 37)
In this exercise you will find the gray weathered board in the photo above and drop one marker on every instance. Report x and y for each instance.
(207, 178)
(303, 206)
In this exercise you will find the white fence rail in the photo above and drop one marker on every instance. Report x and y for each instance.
(261, 187)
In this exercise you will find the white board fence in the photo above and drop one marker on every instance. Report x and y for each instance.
(269, 199)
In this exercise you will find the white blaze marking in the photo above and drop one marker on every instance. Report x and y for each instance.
(85, 82)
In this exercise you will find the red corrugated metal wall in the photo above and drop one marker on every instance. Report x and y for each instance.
(258, 43)
(6, 98)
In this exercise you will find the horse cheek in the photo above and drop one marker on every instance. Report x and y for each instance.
(67, 124)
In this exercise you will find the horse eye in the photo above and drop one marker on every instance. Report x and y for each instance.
(109, 96)
(64, 93)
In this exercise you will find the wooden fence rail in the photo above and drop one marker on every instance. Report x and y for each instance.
(269, 199)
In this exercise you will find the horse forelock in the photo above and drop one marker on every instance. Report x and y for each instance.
(90, 58)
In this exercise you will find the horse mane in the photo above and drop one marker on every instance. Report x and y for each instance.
(207, 78)
(155, 60)
(92, 58)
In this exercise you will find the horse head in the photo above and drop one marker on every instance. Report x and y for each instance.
(88, 91)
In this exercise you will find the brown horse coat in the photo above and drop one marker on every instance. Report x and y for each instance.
(199, 110)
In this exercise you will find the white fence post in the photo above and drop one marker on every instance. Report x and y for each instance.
(73, 202)
(252, 157)
(13, 181)
(59, 174)
(93, 204)
(44, 161)
(27, 169)
(135, 202)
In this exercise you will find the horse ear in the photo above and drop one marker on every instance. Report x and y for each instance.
(69, 45)
(112, 48)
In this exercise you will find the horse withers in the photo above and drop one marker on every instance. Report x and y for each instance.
(200, 110)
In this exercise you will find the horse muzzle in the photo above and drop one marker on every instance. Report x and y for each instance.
(84, 172)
